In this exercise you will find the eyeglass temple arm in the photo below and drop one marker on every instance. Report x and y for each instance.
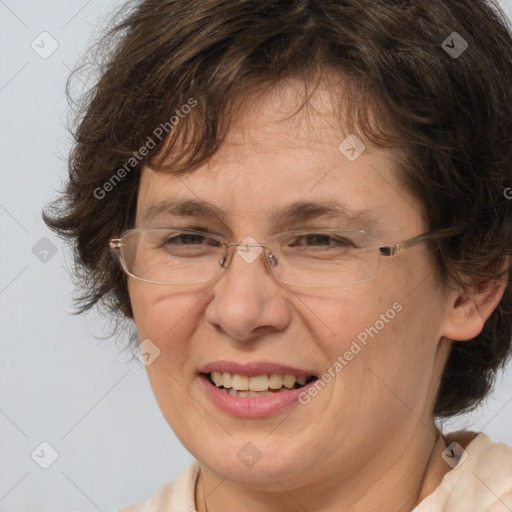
(114, 246)
(391, 250)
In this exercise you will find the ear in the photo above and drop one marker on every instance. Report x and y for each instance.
(472, 306)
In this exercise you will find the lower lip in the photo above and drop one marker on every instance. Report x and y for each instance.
(252, 406)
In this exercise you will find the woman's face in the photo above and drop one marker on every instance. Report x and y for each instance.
(384, 333)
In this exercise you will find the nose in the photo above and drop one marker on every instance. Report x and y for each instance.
(247, 300)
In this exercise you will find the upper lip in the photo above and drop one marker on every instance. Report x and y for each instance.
(255, 368)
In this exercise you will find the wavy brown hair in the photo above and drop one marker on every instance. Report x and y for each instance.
(449, 115)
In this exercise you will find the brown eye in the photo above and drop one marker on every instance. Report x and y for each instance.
(321, 240)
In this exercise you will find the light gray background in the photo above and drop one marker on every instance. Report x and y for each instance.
(59, 384)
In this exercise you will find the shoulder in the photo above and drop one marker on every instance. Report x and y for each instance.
(480, 480)
(176, 495)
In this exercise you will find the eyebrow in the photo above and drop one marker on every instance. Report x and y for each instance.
(300, 211)
(183, 208)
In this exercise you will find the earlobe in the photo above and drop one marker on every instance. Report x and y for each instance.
(471, 308)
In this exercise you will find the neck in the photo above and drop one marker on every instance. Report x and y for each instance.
(381, 484)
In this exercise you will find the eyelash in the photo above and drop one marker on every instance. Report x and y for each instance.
(203, 228)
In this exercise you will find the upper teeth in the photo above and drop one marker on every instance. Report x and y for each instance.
(258, 383)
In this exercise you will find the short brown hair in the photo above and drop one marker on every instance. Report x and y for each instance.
(429, 77)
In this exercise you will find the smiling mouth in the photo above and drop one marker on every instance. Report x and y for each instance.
(260, 385)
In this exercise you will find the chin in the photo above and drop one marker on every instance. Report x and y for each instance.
(257, 462)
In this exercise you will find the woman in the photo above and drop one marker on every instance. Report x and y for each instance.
(302, 206)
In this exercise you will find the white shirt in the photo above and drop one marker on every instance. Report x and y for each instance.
(480, 482)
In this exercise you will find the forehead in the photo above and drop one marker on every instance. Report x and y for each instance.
(277, 155)
(291, 114)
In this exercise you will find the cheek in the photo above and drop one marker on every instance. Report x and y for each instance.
(157, 312)
(336, 318)
(376, 336)
(169, 320)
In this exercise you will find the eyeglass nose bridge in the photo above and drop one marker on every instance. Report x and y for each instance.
(231, 248)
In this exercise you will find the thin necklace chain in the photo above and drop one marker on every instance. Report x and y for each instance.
(204, 495)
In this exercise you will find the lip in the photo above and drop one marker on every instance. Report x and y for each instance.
(255, 368)
(252, 406)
